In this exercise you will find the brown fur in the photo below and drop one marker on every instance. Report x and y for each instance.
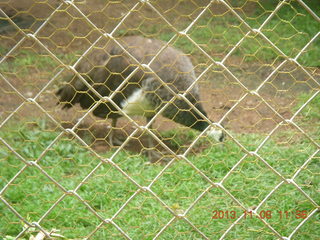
(106, 68)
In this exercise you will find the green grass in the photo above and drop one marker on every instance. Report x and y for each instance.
(290, 30)
(311, 111)
(308, 117)
(32, 193)
(27, 61)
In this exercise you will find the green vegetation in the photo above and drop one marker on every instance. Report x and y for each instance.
(68, 162)
(311, 111)
(309, 117)
(290, 30)
(27, 61)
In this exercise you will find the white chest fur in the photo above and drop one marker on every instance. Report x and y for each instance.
(137, 104)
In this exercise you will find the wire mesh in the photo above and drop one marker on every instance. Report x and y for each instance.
(98, 171)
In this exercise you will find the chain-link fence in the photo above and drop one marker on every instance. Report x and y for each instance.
(108, 131)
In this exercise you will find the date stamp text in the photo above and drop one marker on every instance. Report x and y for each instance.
(263, 214)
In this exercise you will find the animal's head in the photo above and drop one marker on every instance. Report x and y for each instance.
(216, 134)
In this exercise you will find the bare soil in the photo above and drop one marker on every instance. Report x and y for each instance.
(220, 92)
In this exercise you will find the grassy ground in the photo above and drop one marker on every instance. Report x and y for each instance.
(290, 30)
(68, 162)
(28, 61)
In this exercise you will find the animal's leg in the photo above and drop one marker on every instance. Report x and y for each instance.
(150, 141)
(113, 140)
(153, 154)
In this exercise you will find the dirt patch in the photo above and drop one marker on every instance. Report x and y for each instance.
(220, 92)
(250, 115)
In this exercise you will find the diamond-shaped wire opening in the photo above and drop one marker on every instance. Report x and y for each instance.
(180, 229)
(253, 60)
(10, 165)
(180, 185)
(309, 229)
(106, 15)
(254, 13)
(308, 117)
(13, 99)
(287, 28)
(143, 145)
(68, 29)
(287, 150)
(96, 133)
(308, 177)
(256, 179)
(179, 14)
(105, 231)
(68, 162)
(72, 218)
(28, 191)
(135, 165)
(50, 101)
(106, 190)
(10, 35)
(217, 31)
(285, 213)
(260, 119)
(181, 139)
(9, 218)
(143, 217)
(144, 21)
(284, 88)
(28, 68)
(199, 57)
(28, 135)
(216, 161)
(27, 15)
(219, 92)
(214, 213)
(251, 228)
(258, 114)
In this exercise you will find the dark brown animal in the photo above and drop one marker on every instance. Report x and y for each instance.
(143, 94)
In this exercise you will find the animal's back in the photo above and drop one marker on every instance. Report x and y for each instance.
(171, 65)
(105, 69)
